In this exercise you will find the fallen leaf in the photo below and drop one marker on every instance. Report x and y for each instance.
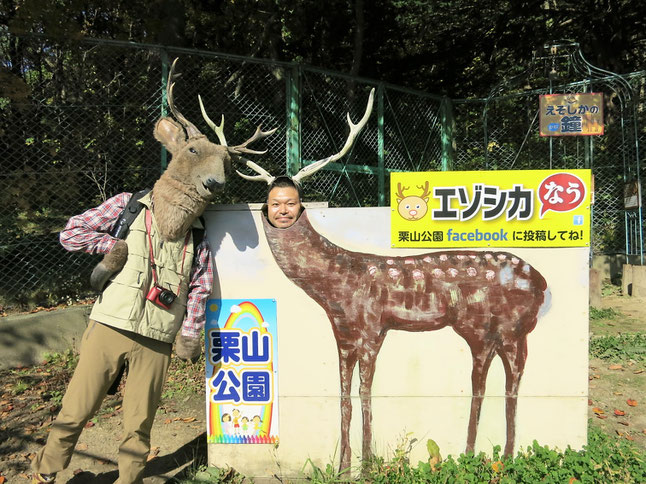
(629, 437)
(81, 446)
(77, 471)
(617, 393)
(631, 402)
(603, 417)
(615, 367)
(598, 411)
(3, 479)
(619, 433)
(589, 402)
(497, 466)
(573, 479)
(637, 372)
(167, 421)
(189, 419)
(623, 422)
(619, 413)
(153, 453)
(596, 376)
(89, 424)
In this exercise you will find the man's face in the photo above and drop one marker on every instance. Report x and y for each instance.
(283, 206)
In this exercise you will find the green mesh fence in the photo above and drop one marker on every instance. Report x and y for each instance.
(76, 124)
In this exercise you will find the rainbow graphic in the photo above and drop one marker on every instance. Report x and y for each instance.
(242, 422)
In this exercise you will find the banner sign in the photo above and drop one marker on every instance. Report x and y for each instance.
(521, 208)
(571, 114)
(241, 378)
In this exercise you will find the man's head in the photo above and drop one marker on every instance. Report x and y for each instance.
(283, 202)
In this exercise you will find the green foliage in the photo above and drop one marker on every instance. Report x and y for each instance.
(604, 313)
(629, 346)
(602, 460)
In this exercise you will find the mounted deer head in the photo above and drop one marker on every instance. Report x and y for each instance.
(197, 167)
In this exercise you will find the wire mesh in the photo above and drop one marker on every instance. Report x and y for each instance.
(77, 118)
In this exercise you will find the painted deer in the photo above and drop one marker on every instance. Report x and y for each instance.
(491, 299)
(412, 207)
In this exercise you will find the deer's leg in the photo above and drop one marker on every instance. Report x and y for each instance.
(513, 355)
(366, 374)
(481, 362)
(347, 362)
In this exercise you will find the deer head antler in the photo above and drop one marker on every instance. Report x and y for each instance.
(191, 130)
(355, 129)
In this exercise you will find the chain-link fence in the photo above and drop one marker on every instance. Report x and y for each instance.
(76, 122)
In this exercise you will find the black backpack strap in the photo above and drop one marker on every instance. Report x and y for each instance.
(198, 235)
(128, 215)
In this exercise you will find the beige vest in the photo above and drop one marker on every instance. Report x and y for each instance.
(123, 302)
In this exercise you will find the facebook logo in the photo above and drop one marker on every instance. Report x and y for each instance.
(578, 220)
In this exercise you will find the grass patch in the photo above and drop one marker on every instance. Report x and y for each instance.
(604, 314)
(631, 346)
(602, 460)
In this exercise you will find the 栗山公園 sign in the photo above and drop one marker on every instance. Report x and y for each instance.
(524, 208)
(241, 378)
(571, 114)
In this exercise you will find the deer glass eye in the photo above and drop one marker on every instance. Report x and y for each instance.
(192, 150)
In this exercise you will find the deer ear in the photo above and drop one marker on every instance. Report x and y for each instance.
(399, 200)
(170, 134)
(426, 199)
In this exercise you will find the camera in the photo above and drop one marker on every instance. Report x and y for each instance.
(161, 297)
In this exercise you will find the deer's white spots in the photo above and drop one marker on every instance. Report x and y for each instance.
(506, 275)
(515, 260)
(522, 284)
(476, 297)
(502, 256)
(462, 257)
(393, 273)
(452, 272)
(472, 256)
(417, 274)
(471, 271)
(390, 262)
(488, 256)
(444, 257)
(409, 261)
(438, 273)
(372, 270)
(526, 268)
(490, 275)
(427, 259)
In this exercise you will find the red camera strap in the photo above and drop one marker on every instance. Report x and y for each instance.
(149, 222)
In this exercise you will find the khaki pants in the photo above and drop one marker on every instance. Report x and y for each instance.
(103, 351)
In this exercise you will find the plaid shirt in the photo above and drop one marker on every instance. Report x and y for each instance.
(89, 232)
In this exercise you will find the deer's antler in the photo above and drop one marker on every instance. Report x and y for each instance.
(191, 130)
(425, 190)
(263, 175)
(219, 130)
(355, 129)
(259, 134)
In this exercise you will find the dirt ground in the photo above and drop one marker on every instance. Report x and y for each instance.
(30, 399)
(617, 389)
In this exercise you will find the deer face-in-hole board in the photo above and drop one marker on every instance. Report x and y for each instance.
(372, 347)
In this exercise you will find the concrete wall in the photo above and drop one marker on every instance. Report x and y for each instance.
(422, 382)
(25, 339)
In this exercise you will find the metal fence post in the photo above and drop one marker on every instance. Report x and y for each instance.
(293, 102)
(381, 166)
(448, 125)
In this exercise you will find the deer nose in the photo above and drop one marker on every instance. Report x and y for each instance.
(213, 184)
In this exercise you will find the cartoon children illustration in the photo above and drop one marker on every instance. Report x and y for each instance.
(245, 425)
(236, 421)
(226, 424)
(256, 424)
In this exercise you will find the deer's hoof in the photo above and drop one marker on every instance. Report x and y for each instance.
(99, 277)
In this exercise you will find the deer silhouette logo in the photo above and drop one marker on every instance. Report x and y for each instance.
(491, 299)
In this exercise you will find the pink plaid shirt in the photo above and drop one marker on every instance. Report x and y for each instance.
(89, 232)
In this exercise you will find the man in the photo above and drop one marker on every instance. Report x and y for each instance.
(283, 202)
(126, 326)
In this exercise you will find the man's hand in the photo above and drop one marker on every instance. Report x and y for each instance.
(188, 348)
(111, 263)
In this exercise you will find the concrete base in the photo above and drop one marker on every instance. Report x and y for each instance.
(26, 338)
